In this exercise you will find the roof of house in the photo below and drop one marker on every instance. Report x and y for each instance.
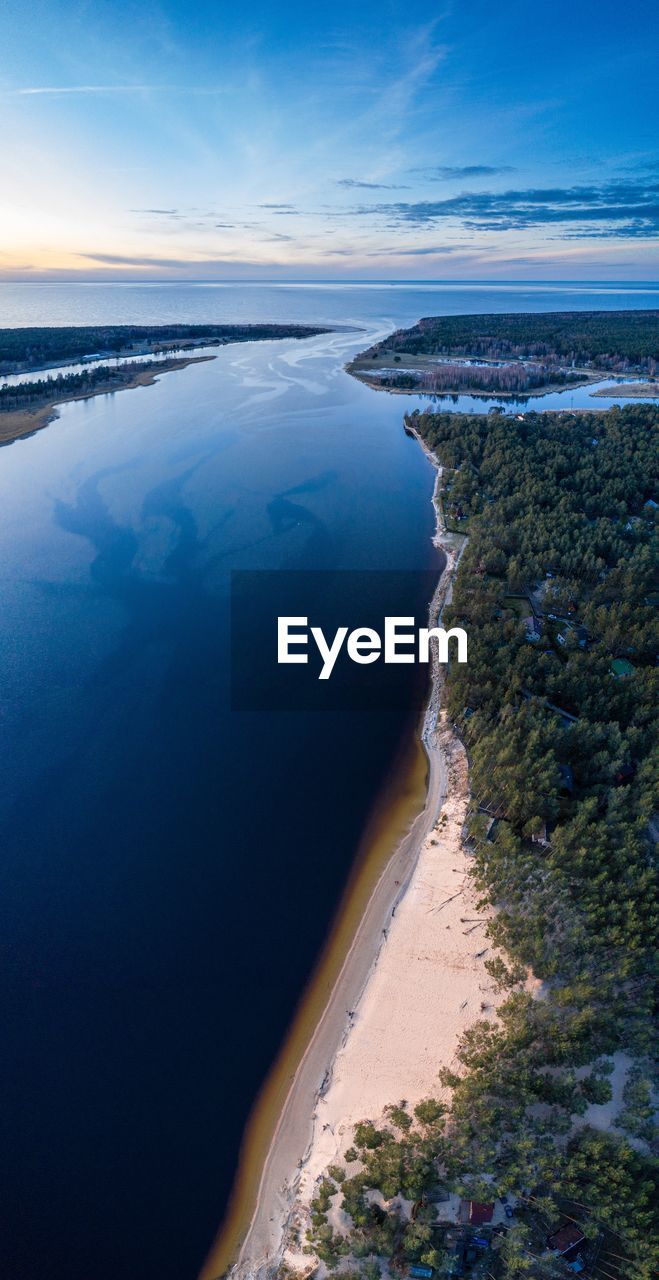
(533, 625)
(480, 1213)
(566, 1238)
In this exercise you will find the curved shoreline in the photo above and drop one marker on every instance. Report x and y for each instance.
(17, 424)
(292, 1138)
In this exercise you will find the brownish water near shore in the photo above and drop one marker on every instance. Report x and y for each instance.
(400, 801)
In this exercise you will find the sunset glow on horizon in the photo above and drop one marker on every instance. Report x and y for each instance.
(160, 143)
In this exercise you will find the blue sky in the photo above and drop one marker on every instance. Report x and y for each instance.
(396, 140)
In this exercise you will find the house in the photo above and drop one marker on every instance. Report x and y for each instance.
(575, 632)
(480, 1214)
(621, 667)
(566, 1242)
(650, 505)
(533, 627)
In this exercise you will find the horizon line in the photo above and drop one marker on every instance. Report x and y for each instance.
(362, 280)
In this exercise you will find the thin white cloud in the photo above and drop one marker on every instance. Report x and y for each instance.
(60, 90)
(84, 88)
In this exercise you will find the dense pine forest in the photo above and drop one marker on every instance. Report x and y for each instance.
(34, 348)
(557, 709)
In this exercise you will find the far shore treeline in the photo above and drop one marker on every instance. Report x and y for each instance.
(34, 348)
(557, 708)
(611, 339)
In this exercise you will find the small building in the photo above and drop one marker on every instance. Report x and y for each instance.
(567, 1241)
(621, 667)
(533, 628)
(573, 631)
(420, 1273)
(480, 1214)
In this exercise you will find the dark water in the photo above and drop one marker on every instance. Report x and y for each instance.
(169, 868)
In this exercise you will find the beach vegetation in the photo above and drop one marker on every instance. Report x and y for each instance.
(563, 770)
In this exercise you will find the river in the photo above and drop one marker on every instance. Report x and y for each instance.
(171, 867)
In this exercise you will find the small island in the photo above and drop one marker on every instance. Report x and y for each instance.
(26, 407)
(514, 354)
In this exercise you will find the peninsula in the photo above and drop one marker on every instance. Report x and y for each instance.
(514, 354)
(42, 347)
(27, 406)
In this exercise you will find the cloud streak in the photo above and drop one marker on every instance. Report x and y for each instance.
(448, 172)
(128, 260)
(64, 90)
(619, 209)
(354, 183)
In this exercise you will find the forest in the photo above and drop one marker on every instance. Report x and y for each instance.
(613, 341)
(557, 708)
(34, 348)
(506, 378)
(65, 386)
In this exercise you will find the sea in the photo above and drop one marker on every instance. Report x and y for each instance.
(171, 864)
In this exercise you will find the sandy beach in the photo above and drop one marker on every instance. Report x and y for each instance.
(412, 981)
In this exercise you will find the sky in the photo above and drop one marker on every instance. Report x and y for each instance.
(470, 139)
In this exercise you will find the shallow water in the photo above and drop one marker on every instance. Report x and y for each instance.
(170, 869)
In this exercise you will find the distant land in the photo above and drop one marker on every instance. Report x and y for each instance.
(26, 407)
(37, 348)
(513, 354)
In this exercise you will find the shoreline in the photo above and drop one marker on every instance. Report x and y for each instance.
(632, 391)
(385, 829)
(18, 424)
(376, 384)
(252, 1252)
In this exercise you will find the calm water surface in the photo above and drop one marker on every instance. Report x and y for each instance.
(170, 869)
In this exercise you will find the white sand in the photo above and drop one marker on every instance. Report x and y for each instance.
(412, 982)
(429, 983)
